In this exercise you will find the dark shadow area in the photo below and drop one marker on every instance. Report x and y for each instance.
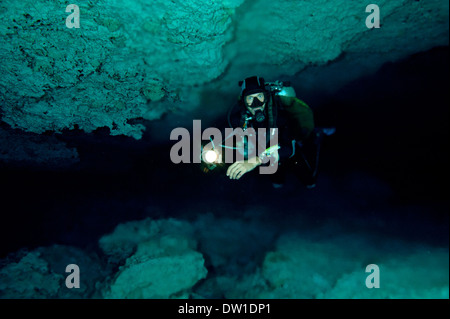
(391, 127)
(395, 125)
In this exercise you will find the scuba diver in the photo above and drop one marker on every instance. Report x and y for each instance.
(275, 105)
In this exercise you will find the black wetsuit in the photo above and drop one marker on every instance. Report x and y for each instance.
(295, 122)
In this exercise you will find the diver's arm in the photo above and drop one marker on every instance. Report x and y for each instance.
(239, 168)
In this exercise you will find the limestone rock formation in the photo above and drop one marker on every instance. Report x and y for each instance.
(135, 59)
(32, 149)
(158, 260)
(41, 274)
(299, 268)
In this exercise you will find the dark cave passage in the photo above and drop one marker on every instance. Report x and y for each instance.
(391, 125)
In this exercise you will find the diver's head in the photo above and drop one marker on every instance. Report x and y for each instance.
(255, 104)
(254, 96)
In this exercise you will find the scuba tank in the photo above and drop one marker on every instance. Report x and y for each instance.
(276, 89)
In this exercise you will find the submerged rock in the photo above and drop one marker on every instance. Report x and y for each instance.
(158, 259)
(41, 274)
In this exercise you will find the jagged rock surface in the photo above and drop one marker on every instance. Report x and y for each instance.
(138, 60)
(159, 259)
(31, 149)
(41, 274)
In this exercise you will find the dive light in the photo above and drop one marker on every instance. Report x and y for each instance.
(210, 156)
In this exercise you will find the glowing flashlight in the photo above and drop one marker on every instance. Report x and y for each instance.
(211, 156)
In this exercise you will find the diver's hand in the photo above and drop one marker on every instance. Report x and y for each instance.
(238, 169)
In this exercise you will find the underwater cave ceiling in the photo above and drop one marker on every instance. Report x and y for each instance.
(137, 59)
